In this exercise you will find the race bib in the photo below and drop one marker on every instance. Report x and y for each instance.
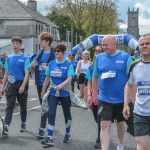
(56, 73)
(144, 87)
(109, 74)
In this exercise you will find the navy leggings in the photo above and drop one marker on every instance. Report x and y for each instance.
(53, 102)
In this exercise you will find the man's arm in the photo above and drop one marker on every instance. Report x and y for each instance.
(95, 87)
(127, 99)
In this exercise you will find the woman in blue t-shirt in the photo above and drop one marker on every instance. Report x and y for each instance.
(59, 72)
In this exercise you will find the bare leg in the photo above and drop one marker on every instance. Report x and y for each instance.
(142, 142)
(120, 131)
(105, 134)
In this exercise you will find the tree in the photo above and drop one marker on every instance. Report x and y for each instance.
(87, 16)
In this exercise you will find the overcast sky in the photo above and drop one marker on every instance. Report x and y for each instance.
(143, 5)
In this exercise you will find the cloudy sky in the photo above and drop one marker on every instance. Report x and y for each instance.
(143, 5)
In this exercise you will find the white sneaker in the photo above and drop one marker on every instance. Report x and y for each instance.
(120, 147)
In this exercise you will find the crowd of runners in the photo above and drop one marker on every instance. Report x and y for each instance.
(114, 85)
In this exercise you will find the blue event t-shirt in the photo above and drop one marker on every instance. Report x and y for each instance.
(74, 64)
(112, 72)
(43, 59)
(16, 66)
(59, 72)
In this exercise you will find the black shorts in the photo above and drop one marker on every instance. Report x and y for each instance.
(110, 112)
(141, 125)
(82, 79)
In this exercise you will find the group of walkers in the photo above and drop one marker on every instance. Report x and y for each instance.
(106, 85)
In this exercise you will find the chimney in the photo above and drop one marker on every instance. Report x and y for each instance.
(32, 4)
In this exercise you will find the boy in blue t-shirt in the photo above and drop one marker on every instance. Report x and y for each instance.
(17, 68)
(40, 63)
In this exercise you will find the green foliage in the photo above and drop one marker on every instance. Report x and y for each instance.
(87, 17)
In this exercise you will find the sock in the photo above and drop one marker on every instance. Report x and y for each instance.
(50, 130)
(68, 126)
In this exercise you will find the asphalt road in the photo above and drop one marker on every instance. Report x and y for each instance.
(83, 131)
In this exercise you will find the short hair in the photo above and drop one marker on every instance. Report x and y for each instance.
(60, 46)
(16, 39)
(46, 36)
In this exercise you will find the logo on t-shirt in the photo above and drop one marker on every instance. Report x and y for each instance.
(20, 60)
(119, 61)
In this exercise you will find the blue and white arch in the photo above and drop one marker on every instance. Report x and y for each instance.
(96, 39)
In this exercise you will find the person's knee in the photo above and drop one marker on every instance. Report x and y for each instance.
(105, 125)
(142, 143)
(120, 125)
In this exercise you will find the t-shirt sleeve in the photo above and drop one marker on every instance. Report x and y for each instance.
(131, 78)
(70, 71)
(6, 64)
(95, 69)
(27, 64)
(47, 72)
(88, 74)
(129, 61)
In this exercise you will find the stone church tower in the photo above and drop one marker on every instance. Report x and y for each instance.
(133, 23)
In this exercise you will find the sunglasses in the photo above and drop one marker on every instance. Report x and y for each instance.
(22, 49)
(57, 50)
(71, 57)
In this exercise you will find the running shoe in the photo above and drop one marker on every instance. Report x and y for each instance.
(5, 131)
(41, 133)
(48, 141)
(67, 138)
(97, 144)
(23, 128)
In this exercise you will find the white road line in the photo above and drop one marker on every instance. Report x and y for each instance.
(27, 110)
(29, 100)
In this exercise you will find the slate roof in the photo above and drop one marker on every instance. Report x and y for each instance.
(14, 9)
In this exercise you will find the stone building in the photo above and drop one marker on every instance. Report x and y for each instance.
(133, 22)
(18, 19)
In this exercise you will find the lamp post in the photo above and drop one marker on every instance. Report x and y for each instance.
(80, 38)
(68, 34)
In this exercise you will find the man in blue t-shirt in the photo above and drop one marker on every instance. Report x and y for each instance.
(16, 76)
(109, 78)
(40, 63)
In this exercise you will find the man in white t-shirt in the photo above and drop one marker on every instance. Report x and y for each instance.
(139, 74)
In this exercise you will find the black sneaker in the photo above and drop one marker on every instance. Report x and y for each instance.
(97, 144)
(5, 131)
(67, 138)
(48, 141)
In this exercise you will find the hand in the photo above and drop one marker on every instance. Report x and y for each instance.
(58, 87)
(126, 112)
(33, 64)
(89, 100)
(21, 90)
(44, 66)
(42, 93)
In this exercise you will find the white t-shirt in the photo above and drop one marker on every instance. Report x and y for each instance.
(140, 75)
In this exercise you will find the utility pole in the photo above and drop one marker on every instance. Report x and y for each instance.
(71, 35)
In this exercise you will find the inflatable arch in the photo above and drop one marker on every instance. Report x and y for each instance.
(96, 39)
